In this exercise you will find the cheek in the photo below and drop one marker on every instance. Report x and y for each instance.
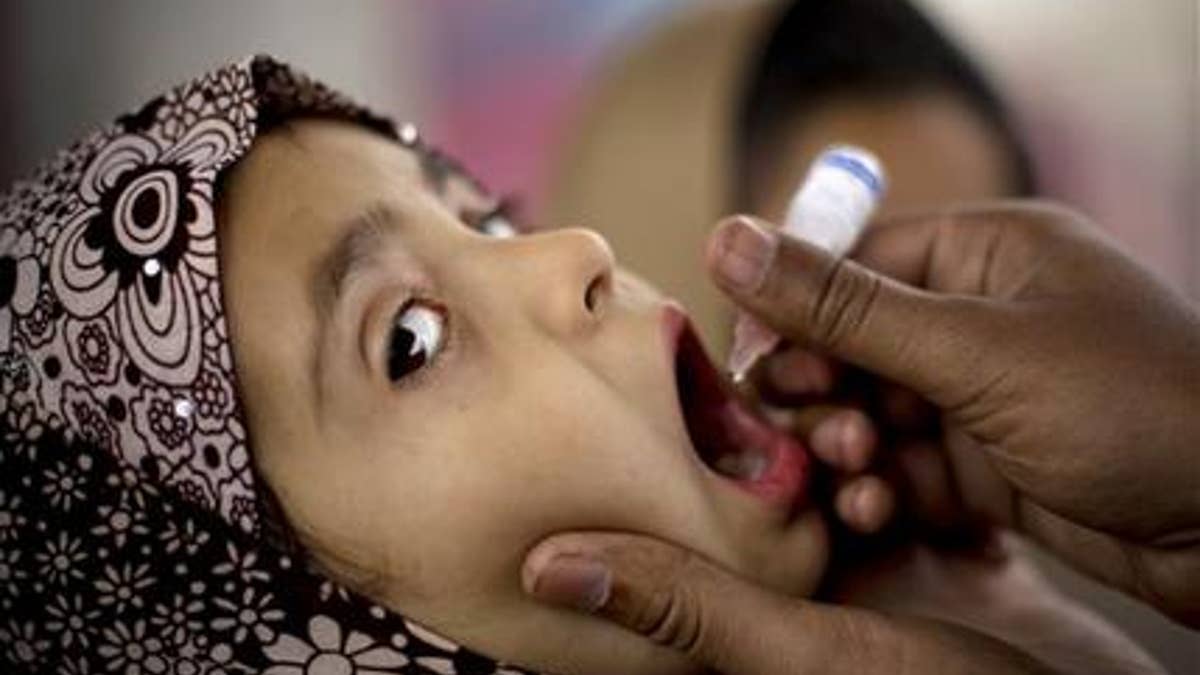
(510, 479)
(799, 557)
(473, 500)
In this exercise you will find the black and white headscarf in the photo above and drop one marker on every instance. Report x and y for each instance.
(130, 521)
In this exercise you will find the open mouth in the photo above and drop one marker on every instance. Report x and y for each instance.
(729, 438)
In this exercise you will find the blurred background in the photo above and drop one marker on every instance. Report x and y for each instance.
(1104, 93)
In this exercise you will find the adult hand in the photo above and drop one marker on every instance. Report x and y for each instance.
(1067, 377)
(722, 622)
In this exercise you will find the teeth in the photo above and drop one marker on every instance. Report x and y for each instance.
(755, 466)
(743, 466)
(729, 465)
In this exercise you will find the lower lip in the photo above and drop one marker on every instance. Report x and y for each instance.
(784, 484)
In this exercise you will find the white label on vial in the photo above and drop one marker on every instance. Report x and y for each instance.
(836, 200)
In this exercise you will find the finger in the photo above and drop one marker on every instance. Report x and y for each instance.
(845, 440)
(931, 343)
(957, 250)
(798, 371)
(906, 412)
(682, 601)
(927, 477)
(802, 420)
(865, 503)
(986, 496)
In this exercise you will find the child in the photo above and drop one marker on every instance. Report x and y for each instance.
(369, 385)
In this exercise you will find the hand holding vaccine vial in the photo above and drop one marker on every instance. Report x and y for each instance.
(830, 209)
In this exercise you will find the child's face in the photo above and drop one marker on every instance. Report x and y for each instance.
(422, 475)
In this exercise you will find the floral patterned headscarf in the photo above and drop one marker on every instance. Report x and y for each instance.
(131, 533)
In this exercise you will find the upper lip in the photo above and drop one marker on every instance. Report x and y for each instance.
(676, 321)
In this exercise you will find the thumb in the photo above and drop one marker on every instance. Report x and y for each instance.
(682, 601)
(927, 341)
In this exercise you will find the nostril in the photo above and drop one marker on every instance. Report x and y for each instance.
(591, 296)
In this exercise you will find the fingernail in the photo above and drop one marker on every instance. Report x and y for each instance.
(744, 250)
(862, 503)
(827, 436)
(795, 373)
(573, 581)
(847, 435)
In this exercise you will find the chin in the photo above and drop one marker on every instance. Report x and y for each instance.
(802, 557)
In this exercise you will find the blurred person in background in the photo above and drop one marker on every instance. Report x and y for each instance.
(724, 109)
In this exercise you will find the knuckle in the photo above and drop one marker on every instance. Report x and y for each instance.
(1034, 219)
(867, 642)
(677, 624)
(1050, 214)
(673, 615)
(842, 305)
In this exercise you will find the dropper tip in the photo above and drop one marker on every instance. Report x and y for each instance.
(742, 361)
(751, 341)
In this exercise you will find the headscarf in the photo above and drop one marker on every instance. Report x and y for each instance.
(131, 533)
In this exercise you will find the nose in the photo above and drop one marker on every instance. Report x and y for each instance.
(567, 278)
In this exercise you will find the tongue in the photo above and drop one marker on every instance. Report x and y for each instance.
(745, 456)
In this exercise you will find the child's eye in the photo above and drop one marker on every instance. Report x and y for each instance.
(415, 340)
(497, 222)
(498, 225)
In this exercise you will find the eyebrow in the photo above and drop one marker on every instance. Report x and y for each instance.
(353, 252)
(437, 168)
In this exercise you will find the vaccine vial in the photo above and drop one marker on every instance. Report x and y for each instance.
(830, 209)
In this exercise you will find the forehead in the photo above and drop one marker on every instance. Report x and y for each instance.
(302, 187)
(315, 168)
(322, 172)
